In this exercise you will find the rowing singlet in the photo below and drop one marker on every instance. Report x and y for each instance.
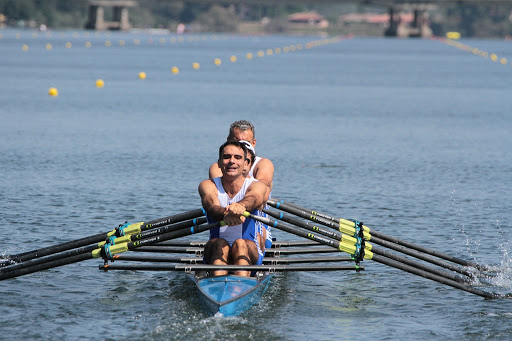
(261, 226)
(248, 229)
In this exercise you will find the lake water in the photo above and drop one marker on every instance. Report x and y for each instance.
(413, 137)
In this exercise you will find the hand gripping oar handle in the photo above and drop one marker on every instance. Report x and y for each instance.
(369, 255)
(130, 229)
(312, 215)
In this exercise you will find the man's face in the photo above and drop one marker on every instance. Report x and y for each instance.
(243, 135)
(232, 163)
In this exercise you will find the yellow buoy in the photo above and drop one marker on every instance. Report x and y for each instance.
(49, 46)
(88, 44)
(175, 70)
(248, 55)
(53, 92)
(217, 61)
(108, 43)
(142, 75)
(494, 57)
(270, 52)
(68, 45)
(232, 59)
(261, 53)
(24, 47)
(100, 83)
(195, 66)
(122, 42)
(453, 35)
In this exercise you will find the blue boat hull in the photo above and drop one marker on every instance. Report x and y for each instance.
(230, 295)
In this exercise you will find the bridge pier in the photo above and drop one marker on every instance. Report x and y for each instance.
(418, 28)
(120, 19)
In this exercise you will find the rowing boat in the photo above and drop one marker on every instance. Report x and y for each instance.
(230, 295)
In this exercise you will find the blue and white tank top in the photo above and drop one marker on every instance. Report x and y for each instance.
(261, 226)
(248, 229)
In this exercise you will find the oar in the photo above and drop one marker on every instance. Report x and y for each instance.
(107, 250)
(275, 245)
(351, 249)
(195, 260)
(207, 267)
(120, 231)
(112, 240)
(343, 223)
(199, 250)
(347, 239)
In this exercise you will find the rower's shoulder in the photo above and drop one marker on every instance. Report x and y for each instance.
(214, 171)
(264, 162)
(206, 185)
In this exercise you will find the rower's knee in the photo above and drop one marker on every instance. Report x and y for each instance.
(216, 250)
(239, 247)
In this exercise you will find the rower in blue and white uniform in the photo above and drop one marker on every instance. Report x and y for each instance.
(268, 239)
(261, 168)
(248, 230)
(226, 198)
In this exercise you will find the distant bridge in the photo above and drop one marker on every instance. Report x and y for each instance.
(418, 28)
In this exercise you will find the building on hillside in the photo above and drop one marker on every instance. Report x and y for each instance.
(373, 19)
(308, 19)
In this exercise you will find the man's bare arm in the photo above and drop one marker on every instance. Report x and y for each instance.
(264, 172)
(254, 198)
(214, 171)
(210, 201)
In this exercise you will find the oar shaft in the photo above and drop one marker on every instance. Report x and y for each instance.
(314, 215)
(199, 250)
(45, 251)
(42, 252)
(275, 244)
(69, 253)
(429, 251)
(338, 236)
(378, 258)
(422, 256)
(113, 249)
(315, 228)
(195, 260)
(116, 249)
(206, 267)
(46, 266)
(428, 275)
(48, 259)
